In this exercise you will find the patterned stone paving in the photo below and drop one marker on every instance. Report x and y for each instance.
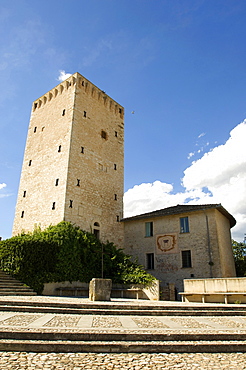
(69, 321)
(106, 322)
(188, 322)
(141, 322)
(125, 361)
(22, 320)
(229, 322)
(149, 322)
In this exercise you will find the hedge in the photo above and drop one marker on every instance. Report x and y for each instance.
(66, 253)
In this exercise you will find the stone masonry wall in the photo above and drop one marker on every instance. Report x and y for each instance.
(74, 161)
(202, 240)
(96, 164)
(225, 249)
(45, 164)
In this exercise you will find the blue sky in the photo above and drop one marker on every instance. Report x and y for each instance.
(178, 64)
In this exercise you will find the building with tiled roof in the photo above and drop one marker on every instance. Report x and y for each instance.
(182, 242)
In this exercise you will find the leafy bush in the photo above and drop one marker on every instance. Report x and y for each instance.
(66, 253)
(239, 252)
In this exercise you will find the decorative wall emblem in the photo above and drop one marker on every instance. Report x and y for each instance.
(166, 243)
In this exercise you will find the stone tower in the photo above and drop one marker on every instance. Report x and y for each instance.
(73, 165)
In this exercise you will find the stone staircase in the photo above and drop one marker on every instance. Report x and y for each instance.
(9, 286)
(45, 324)
(132, 308)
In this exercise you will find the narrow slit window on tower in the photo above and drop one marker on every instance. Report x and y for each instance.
(30, 163)
(115, 166)
(35, 129)
(84, 113)
(78, 182)
(24, 194)
(70, 204)
(104, 134)
(59, 148)
(116, 134)
(118, 218)
(54, 205)
(82, 150)
(57, 182)
(22, 214)
(115, 197)
(96, 230)
(120, 110)
(63, 112)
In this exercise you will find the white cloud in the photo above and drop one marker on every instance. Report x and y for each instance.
(2, 186)
(201, 135)
(148, 197)
(191, 155)
(202, 148)
(63, 75)
(218, 177)
(223, 172)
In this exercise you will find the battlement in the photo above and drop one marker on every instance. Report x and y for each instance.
(77, 80)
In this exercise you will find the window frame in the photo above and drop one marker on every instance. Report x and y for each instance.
(186, 259)
(150, 261)
(184, 225)
(149, 229)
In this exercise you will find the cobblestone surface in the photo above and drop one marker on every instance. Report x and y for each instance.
(104, 361)
(21, 320)
(190, 322)
(149, 322)
(113, 361)
(229, 322)
(69, 321)
(106, 322)
(76, 322)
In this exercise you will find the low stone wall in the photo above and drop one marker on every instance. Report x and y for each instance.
(151, 292)
(67, 289)
(226, 290)
(76, 288)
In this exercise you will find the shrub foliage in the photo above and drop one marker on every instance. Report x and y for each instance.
(66, 253)
(239, 252)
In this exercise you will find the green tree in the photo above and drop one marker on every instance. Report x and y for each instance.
(239, 252)
(66, 253)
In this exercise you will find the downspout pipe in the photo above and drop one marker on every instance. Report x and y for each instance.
(209, 247)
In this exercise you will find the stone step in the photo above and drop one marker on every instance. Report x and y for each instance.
(18, 293)
(4, 282)
(7, 278)
(15, 287)
(101, 311)
(77, 303)
(122, 346)
(146, 335)
(9, 286)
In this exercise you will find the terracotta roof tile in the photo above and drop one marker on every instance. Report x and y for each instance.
(184, 208)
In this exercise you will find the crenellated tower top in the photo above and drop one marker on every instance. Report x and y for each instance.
(77, 80)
